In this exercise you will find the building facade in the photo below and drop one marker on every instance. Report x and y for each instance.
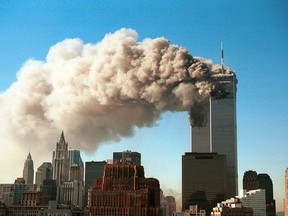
(203, 180)
(44, 172)
(215, 128)
(76, 166)
(28, 170)
(256, 200)
(128, 156)
(123, 190)
(93, 171)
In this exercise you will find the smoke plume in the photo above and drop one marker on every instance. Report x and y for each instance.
(100, 92)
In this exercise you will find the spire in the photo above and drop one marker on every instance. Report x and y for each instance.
(62, 138)
(222, 58)
(29, 156)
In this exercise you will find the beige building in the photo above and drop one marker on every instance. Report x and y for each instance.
(231, 207)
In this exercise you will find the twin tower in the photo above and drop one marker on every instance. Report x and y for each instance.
(209, 171)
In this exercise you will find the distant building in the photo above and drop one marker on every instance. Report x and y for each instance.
(6, 193)
(191, 211)
(28, 170)
(93, 171)
(44, 172)
(76, 166)
(253, 181)
(171, 204)
(255, 199)
(31, 198)
(124, 190)
(60, 160)
(61, 210)
(203, 180)
(168, 204)
(231, 207)
(250, 180)
(286, 194)
(127, 156)
(49, 191)
(72, 194)
(12, 193)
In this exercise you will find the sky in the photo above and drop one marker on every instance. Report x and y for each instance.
(32, 37)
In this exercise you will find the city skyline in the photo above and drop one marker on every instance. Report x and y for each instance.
(254, 36)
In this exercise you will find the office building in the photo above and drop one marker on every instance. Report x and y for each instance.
(171, 203)
(93, 171)
(213, 125)
(256, 200)
(203, 180)
(60, 160)
(6, 194)
(128, 156)
(250, 180)
(76, 166)
(72, 194)
(44, 172)
(124, 190)
(28, 170)
(253, 181)
(49, 191)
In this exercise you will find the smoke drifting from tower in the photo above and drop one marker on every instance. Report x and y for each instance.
(100, 92)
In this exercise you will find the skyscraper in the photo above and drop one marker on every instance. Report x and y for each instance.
(93, 171)
(286, 194)
(75, 165)
(216, 129)
(203, 180)
(28, 171)
(60, 160)
(44, 172)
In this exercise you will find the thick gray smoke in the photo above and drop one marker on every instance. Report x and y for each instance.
(100, 92)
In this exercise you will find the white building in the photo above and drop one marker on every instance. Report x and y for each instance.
(231, 207)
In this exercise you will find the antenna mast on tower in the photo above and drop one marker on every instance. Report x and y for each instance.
(222, 57)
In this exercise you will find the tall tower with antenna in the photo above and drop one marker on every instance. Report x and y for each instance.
(219, 131)
(222, 57)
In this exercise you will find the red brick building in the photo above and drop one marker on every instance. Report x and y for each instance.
(124, 191)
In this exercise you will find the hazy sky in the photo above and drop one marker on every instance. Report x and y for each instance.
(255, 40)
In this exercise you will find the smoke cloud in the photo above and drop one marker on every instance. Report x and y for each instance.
(100, 92)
